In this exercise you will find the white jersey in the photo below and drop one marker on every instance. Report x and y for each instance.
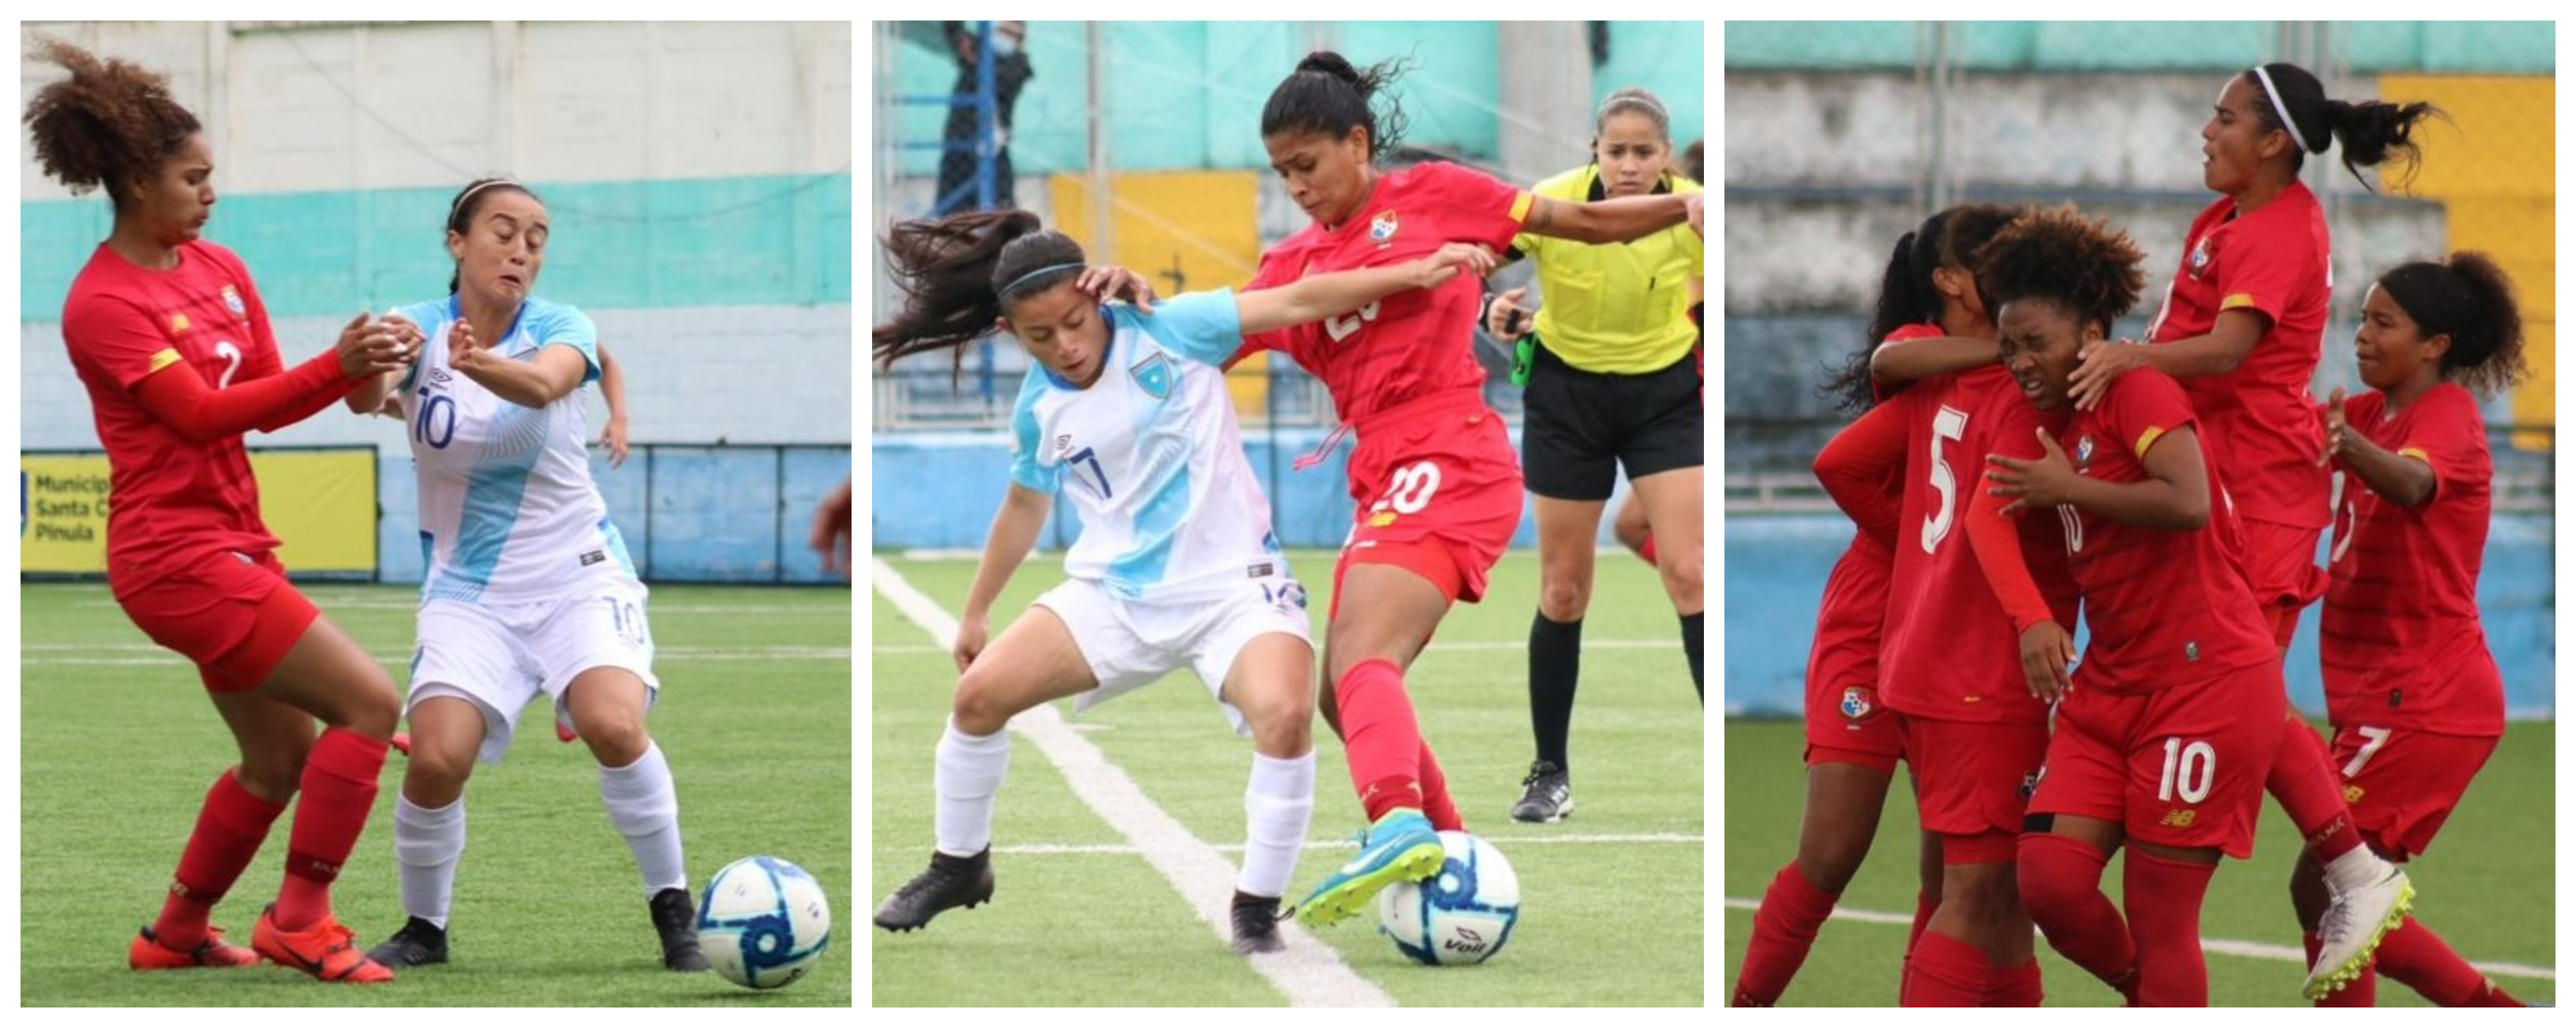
(1151, 456)
(508, 511)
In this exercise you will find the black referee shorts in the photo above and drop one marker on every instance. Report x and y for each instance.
(1578, 427)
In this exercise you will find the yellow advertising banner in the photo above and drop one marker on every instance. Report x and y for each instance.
(320, 503)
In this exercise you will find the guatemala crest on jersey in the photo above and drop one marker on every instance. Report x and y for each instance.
(1856, 702)
(1153, 375)
(233, 302)
(1382, 227)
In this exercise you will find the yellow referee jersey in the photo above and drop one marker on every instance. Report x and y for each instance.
(1615, 308)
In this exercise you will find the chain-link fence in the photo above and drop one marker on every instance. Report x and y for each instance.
(1841, 137)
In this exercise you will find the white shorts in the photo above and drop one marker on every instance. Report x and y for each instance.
(501, 655)
(1129, 644)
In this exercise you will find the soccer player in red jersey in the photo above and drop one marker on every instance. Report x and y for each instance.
(2242, 327)
(1437, 485)
(168, 335)
(2162, 741)
(2413, 693)
(1853, 741)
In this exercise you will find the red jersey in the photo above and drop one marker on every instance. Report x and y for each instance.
(2402, 645)
(2166, 608)
(1950, 651)
(170, 499)
(2261, 426)
(1416, 343)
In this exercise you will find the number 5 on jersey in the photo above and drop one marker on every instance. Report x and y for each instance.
(1950, 424)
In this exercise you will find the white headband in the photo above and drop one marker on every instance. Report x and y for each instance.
(2274, 95)
(469, 194)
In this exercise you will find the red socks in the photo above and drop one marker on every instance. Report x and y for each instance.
(1436, 804)
(1783, 929)
(2303, 779)
(2061, 885)
(1925, 903)
(2164, 898)
(1383, 741)
(2414, 955)
(2013, 986)
(339, 789)
(230, 828)
(1945, 972)
(1646, 548)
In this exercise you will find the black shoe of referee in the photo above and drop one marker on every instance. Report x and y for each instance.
(1547, 795)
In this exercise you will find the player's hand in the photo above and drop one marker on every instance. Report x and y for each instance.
(465, 353)
(831, 540)
(1505, 318)
(367, 349)
(2097, 364)
(1451, 258)
(1697, 205)
(406, 333)
(2047, 480)
(971, 636)
(1110, 282)
(613, 439)
(2339, 436)
(2046, 650)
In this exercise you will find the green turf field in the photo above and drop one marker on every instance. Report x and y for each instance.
(117, 747)
(2488, 886)
(1613, 896)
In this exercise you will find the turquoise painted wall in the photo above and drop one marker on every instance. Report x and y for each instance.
(2370, 47)
(775, 239)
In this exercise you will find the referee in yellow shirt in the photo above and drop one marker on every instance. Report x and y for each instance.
(1613, 379)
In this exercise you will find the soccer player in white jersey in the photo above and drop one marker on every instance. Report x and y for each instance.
(528, 587)
(1126, 413)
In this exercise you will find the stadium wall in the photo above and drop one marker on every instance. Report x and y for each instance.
(1775, 576)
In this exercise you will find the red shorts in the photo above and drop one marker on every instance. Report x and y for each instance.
(2402, 783)
(2281, 565)
(231, 613)
(1973, 778)
(1845, 722)
(2182, 766)
(1439, 494)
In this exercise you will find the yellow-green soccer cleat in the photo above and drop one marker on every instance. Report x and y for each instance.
(1400, 847)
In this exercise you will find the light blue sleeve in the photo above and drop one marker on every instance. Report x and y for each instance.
(1204, 327)
(1026, 472)
(562, 323)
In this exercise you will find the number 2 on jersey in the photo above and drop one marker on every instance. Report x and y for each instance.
(1950, 424)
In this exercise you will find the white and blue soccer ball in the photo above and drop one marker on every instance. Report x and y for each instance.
(764, 922)
(1463, 915)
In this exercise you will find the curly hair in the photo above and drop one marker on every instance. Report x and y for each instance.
(2472, 300)
(109, 124)
(1949, 238)
(957, 272)
(2059, 255)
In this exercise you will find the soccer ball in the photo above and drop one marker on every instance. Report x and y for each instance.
(1461, 916)
(764, 922)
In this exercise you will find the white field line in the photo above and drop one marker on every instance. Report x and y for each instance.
(1444, 646)
(149, 655)
(2229, 947)
(1308, 972)
(1060, 849)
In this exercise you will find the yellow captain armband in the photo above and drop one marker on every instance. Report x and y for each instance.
(166, 357)
(2418, 453)
(1521, 204)
(2236, 300)
(2148, 438)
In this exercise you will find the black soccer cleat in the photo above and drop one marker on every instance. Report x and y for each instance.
(675, 919)
(419, 942)
(1547, 795)
(950, 882)
(1256, 924)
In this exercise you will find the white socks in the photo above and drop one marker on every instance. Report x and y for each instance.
(427, 844)
(2356, 868)
(646, 810)
(1278, 803)
(968, 776)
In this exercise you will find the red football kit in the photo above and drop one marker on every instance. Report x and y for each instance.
(2260, 425)
(2413, 692)
(1435, 479)
(2177, 706)
(187, 554)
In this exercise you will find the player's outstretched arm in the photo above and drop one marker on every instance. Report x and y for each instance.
(1913, 360)
(1609, 221)
(1015, 532)
(1317, 297)
(2174, 496)
(2217, 353)
(552, 374)
(612, 386)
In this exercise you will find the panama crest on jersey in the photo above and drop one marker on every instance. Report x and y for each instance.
(2200, 258)
(1153, 375)
(2083, 452)
(233, 302)
(1382, 228)
(1857, 702)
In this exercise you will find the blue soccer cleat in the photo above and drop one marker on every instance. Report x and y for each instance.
(1400, 847)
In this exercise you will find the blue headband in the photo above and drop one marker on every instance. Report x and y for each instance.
(1023, 280)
